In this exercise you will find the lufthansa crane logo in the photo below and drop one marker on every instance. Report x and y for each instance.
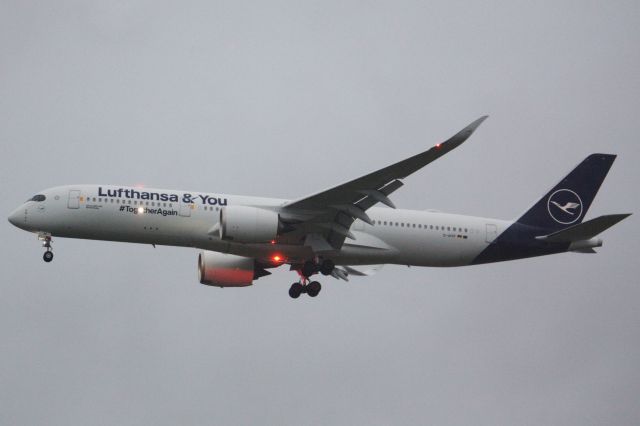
(565, 206)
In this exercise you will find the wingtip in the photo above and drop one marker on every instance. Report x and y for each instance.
(478, 122)
(474, 125)
(463, 134)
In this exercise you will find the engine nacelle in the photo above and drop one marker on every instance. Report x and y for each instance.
(225, 270)
(245, 224)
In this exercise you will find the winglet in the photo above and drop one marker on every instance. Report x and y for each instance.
(457, 139)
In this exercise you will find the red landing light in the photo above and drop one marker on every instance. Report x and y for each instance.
(438, 145)
(273, 241)
(276, 258)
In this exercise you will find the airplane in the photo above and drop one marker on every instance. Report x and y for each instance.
(338, 232)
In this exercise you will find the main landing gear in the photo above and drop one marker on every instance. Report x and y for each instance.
(312, 288)
(46, 243)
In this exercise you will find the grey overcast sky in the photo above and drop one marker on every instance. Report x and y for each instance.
(283, 99)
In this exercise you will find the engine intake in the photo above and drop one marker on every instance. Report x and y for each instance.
(225, 270)
(245, 224)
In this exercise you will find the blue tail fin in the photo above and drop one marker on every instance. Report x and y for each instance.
(567, 203)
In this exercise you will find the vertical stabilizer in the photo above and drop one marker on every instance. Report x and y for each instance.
(567, 203)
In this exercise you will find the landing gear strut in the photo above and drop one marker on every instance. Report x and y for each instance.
(46, 243)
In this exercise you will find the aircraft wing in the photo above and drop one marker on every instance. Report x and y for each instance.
(330, 213)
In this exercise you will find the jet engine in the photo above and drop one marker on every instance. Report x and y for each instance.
(245, 224)
(225, 270)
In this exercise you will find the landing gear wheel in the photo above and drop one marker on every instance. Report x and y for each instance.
(295, 290)
(326, 267)
(47, 256)
(309, 268)
(313, 288)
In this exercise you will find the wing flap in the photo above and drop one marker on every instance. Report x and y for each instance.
(343, 272)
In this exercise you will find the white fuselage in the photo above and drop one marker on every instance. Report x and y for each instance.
(183, 218)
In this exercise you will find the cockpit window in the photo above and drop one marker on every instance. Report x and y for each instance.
(38, 197)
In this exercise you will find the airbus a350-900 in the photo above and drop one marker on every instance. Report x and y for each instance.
(337, 232)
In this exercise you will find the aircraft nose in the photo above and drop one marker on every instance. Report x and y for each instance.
(16, 218)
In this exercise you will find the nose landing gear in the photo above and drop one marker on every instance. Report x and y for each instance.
(46, 243)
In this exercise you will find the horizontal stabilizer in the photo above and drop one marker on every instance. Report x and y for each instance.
(584, 230)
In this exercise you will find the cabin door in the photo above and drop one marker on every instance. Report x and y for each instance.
(492, 233)
(74, 199)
